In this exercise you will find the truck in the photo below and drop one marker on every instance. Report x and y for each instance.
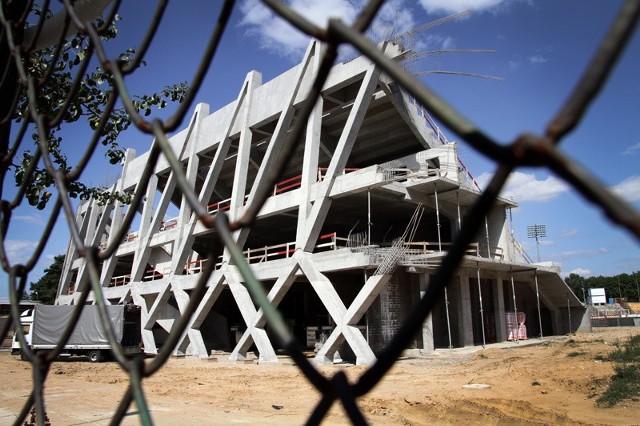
(44, 325)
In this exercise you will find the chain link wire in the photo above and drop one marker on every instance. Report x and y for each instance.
(526, 150)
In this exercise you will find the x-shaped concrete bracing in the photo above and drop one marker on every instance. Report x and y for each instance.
(255, 321)
(255, 324)
(345, 319)
(346, 327)
(150, 316)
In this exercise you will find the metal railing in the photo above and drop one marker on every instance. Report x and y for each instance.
(526, 150)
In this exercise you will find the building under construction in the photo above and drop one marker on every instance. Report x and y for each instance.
(345, 245)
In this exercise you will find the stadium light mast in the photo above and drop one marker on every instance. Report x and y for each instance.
(537, 232)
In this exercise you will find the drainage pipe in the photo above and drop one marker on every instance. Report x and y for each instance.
(446, 307)
(484, 341)
(435, 187)
(515, 307)
(535, 277)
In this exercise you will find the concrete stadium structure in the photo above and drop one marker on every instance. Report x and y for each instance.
(345, 245)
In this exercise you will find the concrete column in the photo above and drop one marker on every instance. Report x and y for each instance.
(92, 221)
(70, 256)
(183, 240)
(192, 343)
(465, 324)
(253, 80)
(498, 303)
(147, 207)
(118, 209)
(280, 133)
(559, 321)
(310, 162)
(143, 251)
(427, 325)
(584, 319)
(321, 206)
(148, 340)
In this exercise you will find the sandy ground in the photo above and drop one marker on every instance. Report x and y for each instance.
(555, 381)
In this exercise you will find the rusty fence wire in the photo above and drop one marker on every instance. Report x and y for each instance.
(15, 82)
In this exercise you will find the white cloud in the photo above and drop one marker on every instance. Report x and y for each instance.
(569, 233)
(278, 36)
(394, 18)
(455, 6)
(629, 189)
(526, 187)
(518, 61)
(434, 42)
(272, 33)
(19, 251)
(633, 149)
(31, 220)
(537, 59)
(449, 43)
(582, 252)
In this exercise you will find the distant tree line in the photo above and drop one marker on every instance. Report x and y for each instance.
(625, 286)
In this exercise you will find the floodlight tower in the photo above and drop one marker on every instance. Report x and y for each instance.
(537, 232)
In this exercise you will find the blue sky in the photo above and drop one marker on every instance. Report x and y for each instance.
(541, 47)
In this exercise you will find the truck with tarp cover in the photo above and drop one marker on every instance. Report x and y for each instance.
(46, 325)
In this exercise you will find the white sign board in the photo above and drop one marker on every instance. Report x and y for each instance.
(597, 296)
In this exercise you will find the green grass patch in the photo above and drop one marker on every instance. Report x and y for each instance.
(627, 352)
(625, 384)
(575, 354)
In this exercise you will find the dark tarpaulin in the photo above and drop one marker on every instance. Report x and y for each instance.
(50, 322)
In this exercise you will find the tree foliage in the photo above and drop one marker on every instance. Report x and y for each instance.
(625, 286)
(44, 290)
(88, 103)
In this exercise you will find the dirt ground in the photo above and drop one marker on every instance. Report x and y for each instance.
(554, 381)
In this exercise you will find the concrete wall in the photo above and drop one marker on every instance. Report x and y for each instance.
(391, 307)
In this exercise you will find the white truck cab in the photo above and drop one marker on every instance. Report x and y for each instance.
(26, 321)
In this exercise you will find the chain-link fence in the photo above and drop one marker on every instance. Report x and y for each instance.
(17, 83)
